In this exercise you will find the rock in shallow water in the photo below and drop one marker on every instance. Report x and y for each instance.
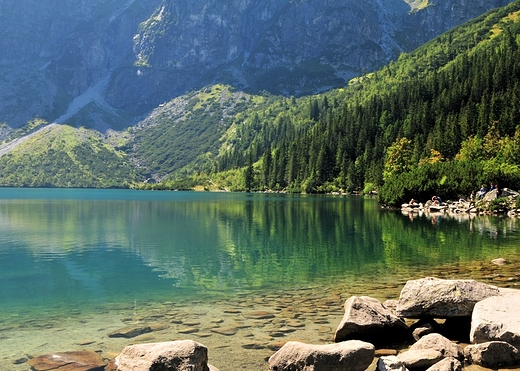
(497, 318)
(433, 297)
(353, 355)
(181, 355)
(368, 320)
(68, 361)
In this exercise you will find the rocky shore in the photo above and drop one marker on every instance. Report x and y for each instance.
(434, 324)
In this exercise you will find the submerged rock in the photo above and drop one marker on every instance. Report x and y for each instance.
(130, 331)
(68, 361)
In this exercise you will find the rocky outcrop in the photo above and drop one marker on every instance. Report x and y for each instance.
(367, 319)
(432, 297)
(181, 355)
(350, 355)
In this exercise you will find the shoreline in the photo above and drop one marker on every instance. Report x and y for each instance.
(240, 332)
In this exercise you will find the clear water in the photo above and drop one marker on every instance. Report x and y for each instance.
(86, 262)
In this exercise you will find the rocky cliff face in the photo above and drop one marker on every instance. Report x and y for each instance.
(102, 63)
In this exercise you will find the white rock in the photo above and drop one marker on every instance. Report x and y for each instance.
(497, 318)
(433, 297)
(185, 355)
(353, 355)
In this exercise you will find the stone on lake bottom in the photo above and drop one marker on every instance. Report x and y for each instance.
(352, 355)
(130, 331)
(227, 331)
(259, 314)
(68, 361)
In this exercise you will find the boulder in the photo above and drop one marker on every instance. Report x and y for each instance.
(368, 320)
(433, 297)
(447, 364)
(420, 358)
(390, 363)
(82, 360)
(441, 344)
(180, 355)
(491, 195)
(497, 318)
(353, 355)
(493, 354)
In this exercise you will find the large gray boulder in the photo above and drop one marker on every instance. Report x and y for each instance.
(181, 355)
(497, 318)
(441, 344)
(353, 355)
(493, 354)
(433, 297)
(368, 320)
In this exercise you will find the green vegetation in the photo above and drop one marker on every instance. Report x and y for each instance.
(441, 120)
(412, 128)
(62, 156)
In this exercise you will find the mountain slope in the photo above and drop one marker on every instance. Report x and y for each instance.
(135, 55)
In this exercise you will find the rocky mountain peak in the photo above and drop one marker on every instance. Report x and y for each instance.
(105, 63)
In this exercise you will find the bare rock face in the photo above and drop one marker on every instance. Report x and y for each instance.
(493, 354)
(368, 320)
(68, 361)
(151, 51)
(433, 297)
(497, 318)
(181, 355)
(350, 355)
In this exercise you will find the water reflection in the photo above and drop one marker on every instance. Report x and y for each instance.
(173, 245)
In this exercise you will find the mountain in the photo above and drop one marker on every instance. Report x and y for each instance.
(104, 64)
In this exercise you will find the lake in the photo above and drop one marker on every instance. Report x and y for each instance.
(241, 273)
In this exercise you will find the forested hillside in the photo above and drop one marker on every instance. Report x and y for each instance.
(441, 120)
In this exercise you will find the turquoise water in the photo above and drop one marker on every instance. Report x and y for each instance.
(78, 252)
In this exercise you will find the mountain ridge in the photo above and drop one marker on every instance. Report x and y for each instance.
(55, 54)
